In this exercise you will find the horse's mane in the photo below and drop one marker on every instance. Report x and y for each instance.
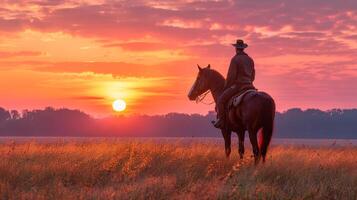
(217, 76)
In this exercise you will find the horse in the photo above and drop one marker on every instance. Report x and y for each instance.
(255, 112)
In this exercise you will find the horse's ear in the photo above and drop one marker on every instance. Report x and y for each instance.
(209, 66)
(199, 68)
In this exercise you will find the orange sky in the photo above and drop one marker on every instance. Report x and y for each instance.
(85, 54)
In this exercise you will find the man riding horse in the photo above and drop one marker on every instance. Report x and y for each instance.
(240, 77)
(251, 111)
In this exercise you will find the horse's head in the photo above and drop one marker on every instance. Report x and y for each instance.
(201, 85)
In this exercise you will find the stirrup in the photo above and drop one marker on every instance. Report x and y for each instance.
(218, 124)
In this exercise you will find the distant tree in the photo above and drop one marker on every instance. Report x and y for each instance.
(15, 114)
(49, 109)
(4, 115)
(25, 113)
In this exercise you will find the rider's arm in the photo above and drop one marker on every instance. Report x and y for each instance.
(232, 73)
(253, 72)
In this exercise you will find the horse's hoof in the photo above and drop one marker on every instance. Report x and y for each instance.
(228, 152)
(256, 161)
(263, 160)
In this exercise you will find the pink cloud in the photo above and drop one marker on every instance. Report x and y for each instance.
(11, 54)
(141, 46)
(188, 21)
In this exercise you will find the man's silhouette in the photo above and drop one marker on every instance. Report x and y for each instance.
(240, 77)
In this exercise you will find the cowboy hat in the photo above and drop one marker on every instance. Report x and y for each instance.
(240, 44)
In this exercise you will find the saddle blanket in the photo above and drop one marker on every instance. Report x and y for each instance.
(237, 99)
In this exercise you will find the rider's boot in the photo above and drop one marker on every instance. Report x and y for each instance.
(219, 123)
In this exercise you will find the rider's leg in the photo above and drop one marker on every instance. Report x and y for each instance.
(221, 104)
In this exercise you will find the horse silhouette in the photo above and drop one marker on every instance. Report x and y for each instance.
(255, 112)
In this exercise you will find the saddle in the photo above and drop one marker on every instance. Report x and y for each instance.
(237, 99)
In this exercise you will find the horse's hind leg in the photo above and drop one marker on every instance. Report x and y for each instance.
(255, 146)
(241, 143)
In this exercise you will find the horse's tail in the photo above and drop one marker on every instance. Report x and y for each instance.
(268, 126)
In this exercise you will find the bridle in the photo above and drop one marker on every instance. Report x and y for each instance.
(201, 97)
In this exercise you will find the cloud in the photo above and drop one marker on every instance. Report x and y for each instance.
(184, 21)
(115, 69)
(9, 54)
(141, 46)
(95, 98)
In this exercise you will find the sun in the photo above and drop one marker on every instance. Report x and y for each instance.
(119, 105)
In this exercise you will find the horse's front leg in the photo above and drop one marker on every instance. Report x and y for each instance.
(241, 135)
(227, 141)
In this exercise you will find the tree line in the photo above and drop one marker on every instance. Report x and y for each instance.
(293, 123)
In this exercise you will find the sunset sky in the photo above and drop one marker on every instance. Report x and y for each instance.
(86, 54)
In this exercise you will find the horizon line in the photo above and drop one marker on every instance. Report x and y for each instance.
(123, 114)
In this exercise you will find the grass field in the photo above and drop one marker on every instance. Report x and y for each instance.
(151, 170)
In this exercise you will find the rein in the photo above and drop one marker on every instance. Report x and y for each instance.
(201, 97)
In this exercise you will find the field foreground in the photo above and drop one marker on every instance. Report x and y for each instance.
(151, 170)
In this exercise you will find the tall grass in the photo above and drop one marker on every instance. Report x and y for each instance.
(152, 170)
(298, 173)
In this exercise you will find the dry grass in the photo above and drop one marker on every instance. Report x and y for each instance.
(149, 170)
